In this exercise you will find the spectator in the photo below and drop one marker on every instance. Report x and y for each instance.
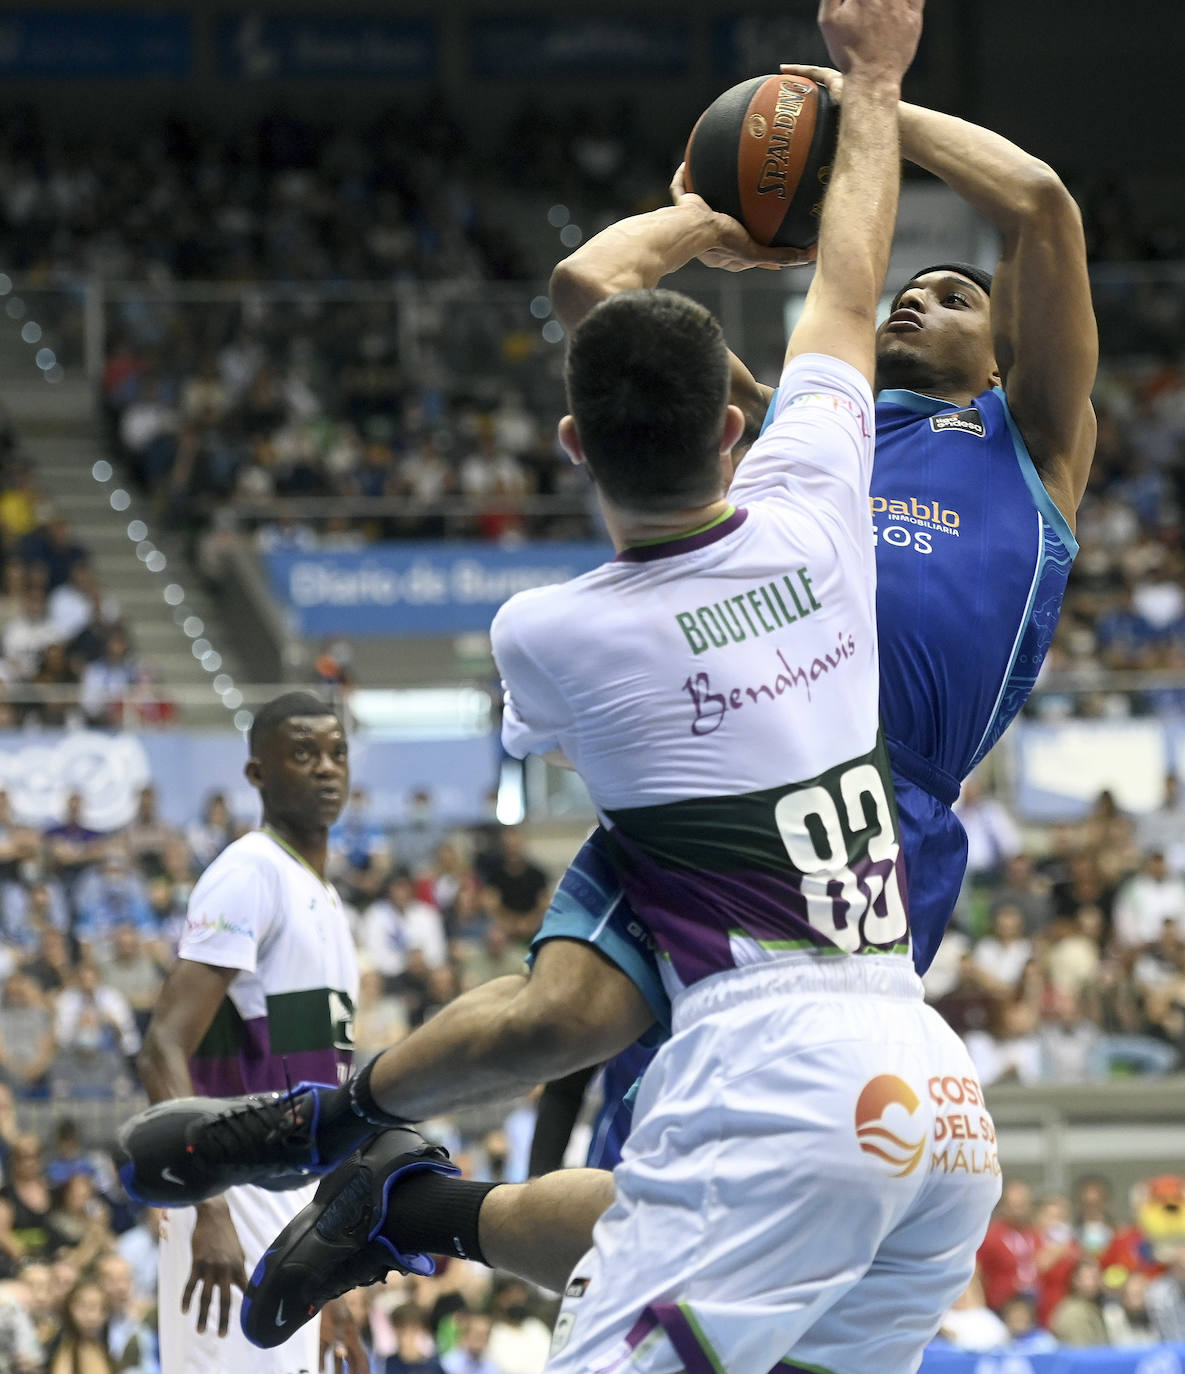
(107, 681)
(140, 1246)
(1003, 955)
(81, 1347)
(1078, 1318)
(19, 844)
(208, 837)
(420, 834)
(1166, 1299)
(83, 1219)
(111, 896)
(992, 834)
(96, 1032)
(971, 1324)
(147, 837)
(523, 888)
(1013, 1054)
(398, 924)
(1144, 902)
(1072, 957)
(27, 1231)
(1057, 1254)
(28, 635)
(1163, 831)
(1070, 1042)
(470, 1354)
(43, 1309)
(131, 1342)
(1093, 1223)
(519, 1341)
(1126, 1316)
(128, 966)
(77, 604)
(1008, 1255)
(20, 1351)
(1025, 1336)
(380, 1020)
(50, 966)
(415, 1351)
(27, 1045)
(1024, 888)
(52, 552)
(72, 845)
(495, 957)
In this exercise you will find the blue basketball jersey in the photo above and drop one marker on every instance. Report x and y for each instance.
(972, 562)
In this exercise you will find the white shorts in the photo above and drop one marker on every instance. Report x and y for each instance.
(809, 1175)
(258, 1216)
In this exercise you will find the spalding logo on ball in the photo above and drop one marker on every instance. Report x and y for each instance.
(762, 153)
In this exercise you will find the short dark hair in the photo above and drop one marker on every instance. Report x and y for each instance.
(647, 377)
(283, 708)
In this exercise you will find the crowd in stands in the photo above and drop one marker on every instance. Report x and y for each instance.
(1066, 959)
(65, 655)
(1055, 1271)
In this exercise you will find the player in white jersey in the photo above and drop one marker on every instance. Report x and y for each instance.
(262, 993)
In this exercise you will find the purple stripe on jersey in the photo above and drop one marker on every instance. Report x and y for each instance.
(255, 1069)
(688, 543)
(686, 1340)
(642, 1328)
(691, 914)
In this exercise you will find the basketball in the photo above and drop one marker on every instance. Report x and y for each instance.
(762, 153)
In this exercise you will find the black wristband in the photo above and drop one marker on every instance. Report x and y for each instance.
(362, 1101)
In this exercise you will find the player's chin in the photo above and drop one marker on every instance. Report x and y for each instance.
(328, 804)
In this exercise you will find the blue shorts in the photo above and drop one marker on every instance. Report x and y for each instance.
(590, 906)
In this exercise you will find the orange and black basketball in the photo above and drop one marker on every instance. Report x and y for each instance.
(762, 153)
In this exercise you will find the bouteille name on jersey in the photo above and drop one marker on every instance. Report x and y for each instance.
(756, 611)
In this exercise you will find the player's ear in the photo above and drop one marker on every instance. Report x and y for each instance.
(570, 440)
(734, 427)
(253, 772)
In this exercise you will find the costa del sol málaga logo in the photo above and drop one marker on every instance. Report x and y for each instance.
(875, 1137)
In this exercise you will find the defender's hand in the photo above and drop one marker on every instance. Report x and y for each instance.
(875, 38)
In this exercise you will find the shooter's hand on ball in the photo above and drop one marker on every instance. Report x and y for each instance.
(736, 250)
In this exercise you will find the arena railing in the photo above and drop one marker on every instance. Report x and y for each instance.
(481, 330)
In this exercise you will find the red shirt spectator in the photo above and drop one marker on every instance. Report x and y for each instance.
(1008, 1255)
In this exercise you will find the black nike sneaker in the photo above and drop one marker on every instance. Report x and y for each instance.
(333, 1244)
(182, 1152)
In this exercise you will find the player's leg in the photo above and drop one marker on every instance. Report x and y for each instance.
(538, 1230)
(577, 1007)
(885, 1320)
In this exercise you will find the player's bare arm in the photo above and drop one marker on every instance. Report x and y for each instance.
(187, 1004)
(873, 43)
(1043, 324)
(636, 253)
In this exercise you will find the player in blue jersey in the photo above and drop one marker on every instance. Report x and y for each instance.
(974, 491)
(1039, 325)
